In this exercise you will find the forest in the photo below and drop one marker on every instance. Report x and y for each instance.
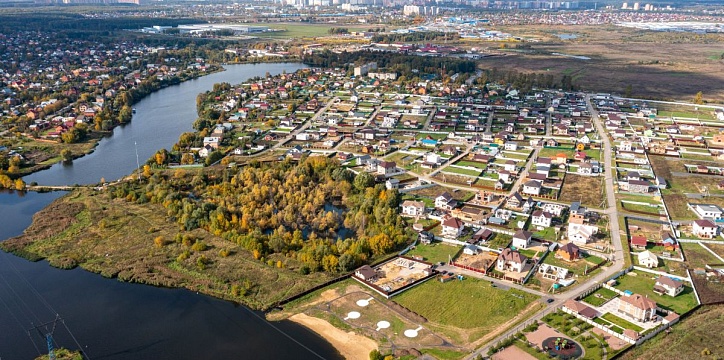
(315, 212)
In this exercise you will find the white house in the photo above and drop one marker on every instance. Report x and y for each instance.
(510, 165)
(706, 229)
(445, 201)
(471, 250)
(452, 227)
(521, 239)
(708, 211)
(413, 208)
(532, 187)
(510, 260)
(648, 259)
(668, 286)
(541, 219)
(581, 234)
(386, 167)
(554, 209)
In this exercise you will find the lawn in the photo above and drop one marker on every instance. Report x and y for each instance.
(642, 283)
(472, 305)
(471, 164)
(457, 170)
(600, 296)
(434, 252)
(548, 233)
(499, 241)
(300, 30)
(622, 322)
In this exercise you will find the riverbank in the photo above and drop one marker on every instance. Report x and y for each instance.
(44, 153)
(136, 243)
(349, 344)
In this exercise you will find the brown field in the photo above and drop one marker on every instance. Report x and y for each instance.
(703, 329)
(657, 65)
(586, 189)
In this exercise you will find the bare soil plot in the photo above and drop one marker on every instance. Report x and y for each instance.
(512, 353)
(586, 189)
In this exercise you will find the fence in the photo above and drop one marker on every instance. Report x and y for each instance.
(602, 327)
(313, 289)
(590, 270)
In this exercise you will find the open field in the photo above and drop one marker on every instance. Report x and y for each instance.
(465, 310)
(697, 256)
(642, 283)
(620, 57)
(703, 329)
(116, 238)
(586, 189)
(299, 30)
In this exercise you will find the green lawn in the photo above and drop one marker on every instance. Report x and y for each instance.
(609, 325)
(499, 241)
(471, 164)
(600, 296)
(467, 304)
(434, 252)
(456, 170)
(642, 283)
(548, 233)
(622, 322)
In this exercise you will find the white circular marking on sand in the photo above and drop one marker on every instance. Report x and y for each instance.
(411, 333)
(383, 325)
(363, 302)
(353, 315)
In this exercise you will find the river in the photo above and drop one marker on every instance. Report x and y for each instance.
(116, 320)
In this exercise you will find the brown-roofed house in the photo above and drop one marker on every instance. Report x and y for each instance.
(366, 273)
(638, 307)
(638, 242)
(668, 286)
(580, 309)
(511, 260)
(569, 252)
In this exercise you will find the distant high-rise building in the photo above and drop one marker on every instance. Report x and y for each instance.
(636, 7)
(625, 6)
(411, 10)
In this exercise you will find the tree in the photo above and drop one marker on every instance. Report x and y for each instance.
(158, 241)
(699, 98)
(67, 155)
(363, 180)
(19, 184)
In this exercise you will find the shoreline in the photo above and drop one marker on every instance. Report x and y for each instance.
(350, 345)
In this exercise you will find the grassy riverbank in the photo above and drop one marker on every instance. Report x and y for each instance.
(135, 243)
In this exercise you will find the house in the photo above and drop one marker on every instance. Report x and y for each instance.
(585, 169)
(706, 229)
(541, 219)
(532, 187)
(510, 260)
(452, 227)
(366, 273)
(648, 259)
(445, 201)
(413, 208)
(668, 286)
(638, 242)
(386, 167)
(708, 211)
(552, 272)
(521, 239)
(504, 176)
(481, 235)
(569, 252)
(392, 183)
(638, 307)
(471, 250)
(580, 309)
(510, 165)
(636, 186)
(212, 141)
(515, 200)
(554, 209)
(581, 234)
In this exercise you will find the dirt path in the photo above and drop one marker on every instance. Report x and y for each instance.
(349, 344)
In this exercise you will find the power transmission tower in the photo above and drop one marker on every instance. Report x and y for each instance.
(48, 335)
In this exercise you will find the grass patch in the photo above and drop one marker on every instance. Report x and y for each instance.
(600, 296)
(444, 354)
(457, 170)
(622, 322)
(697, 256)
(434, 252)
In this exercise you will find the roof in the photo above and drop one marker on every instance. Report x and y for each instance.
(705, 223)
(532, 183)
(580, 308)
(570, 248)
(539, 213)
(446, 195)
(639, 301)
(522, 234)
(417, 204)
(667, 281)
(638, 241)
(513, 256)
(453, 222)
(366, 271)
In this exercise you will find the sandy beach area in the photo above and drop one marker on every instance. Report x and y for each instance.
(349, 344)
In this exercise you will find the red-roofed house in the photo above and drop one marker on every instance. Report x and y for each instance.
(638, 242)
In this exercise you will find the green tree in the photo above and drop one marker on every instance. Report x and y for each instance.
(363, 180)
(699, 98)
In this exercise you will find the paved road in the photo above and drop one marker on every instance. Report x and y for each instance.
(618, 261)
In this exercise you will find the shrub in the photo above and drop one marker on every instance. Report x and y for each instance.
(199, 246)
